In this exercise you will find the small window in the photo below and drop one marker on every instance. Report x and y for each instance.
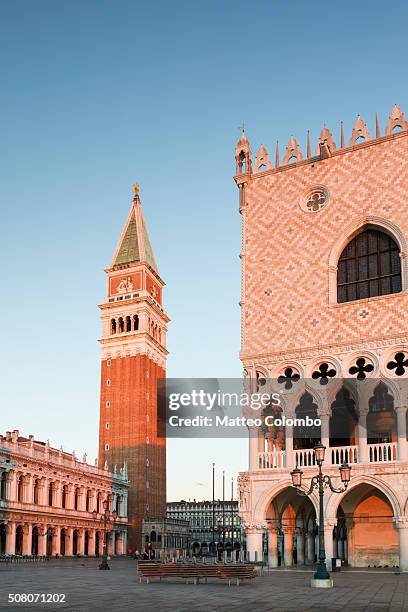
(108, 363)
(108, 382)
(107, 425)
(106, 447)
(108, 404)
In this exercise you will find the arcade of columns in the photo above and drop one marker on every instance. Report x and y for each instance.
(48, 501)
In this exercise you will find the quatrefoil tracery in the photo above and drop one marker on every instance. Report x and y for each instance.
(289, 378)
(399, 365)
(361, 368)
(324, 373)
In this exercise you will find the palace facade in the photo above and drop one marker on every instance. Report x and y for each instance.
(52, 504)
(325, 321)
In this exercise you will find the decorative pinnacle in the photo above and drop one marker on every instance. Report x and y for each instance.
(135, 189)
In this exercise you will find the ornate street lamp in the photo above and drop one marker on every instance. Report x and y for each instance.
(107, 518)
(320, 482)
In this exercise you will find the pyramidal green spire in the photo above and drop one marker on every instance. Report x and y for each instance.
(134, 244)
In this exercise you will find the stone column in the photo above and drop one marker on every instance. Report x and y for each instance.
(91, 542)
(402, 433)
(70, 497)
(42, 541)
(81, 542)
(11, 538)
(254, 543)
(402, 526)
(29, 489)
(44, 492)
(300, 547)
(310, 548)
(12, 488)
(68, 542)
(253, 448)
(27, 538)
(289, 454)
(56, 541)
(362, 438)
(325, 433)
(272, 546)
(328, 541)
(288, 546)
(58, 494)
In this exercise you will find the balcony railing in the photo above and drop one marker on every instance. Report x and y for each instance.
(386, 452)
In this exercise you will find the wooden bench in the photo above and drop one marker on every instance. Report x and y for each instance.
(196, 571)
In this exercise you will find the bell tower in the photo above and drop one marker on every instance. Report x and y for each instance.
(133, 343)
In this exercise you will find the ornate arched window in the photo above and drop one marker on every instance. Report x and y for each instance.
(370, 265)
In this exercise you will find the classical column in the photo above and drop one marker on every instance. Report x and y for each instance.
(272, 546)
(310, 548)
(253, 448)
(289, 454)
(56, 541)
(300, 547)
(328, 541)
(362, 438)
(81, 542)
(402, 526)
(70, 501)
(27, 538)
(68, 541)
(58, 494)
(254, 543)
(91, 542)
(11, 538)
(12, 488)
(44, 492)
(42, 541)
(325, 432)
(402, 433)
(29, 488)
(288, 546)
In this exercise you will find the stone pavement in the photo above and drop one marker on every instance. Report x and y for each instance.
(88, 589)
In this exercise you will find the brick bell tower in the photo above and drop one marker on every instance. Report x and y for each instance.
(134, 326)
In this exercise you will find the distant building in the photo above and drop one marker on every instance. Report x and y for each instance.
(166, 537)
(228, 532)
(48, 499)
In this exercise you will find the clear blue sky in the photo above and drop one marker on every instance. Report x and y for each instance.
(97, 95)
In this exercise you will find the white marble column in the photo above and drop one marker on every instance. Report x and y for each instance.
(27, 538)
(362, 438)
(402, 433)
(288, 533)
(402, 526)
(254, 543)
(11, 538)
(253, 448)
(56, 541)
(300, 547)
(310, 548)
(289, 453)
(91, 542)
(272, 547)
(42, 542)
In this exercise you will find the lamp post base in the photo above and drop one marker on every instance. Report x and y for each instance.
(321, 583)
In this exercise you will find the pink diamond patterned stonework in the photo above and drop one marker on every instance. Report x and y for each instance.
(295, 330)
